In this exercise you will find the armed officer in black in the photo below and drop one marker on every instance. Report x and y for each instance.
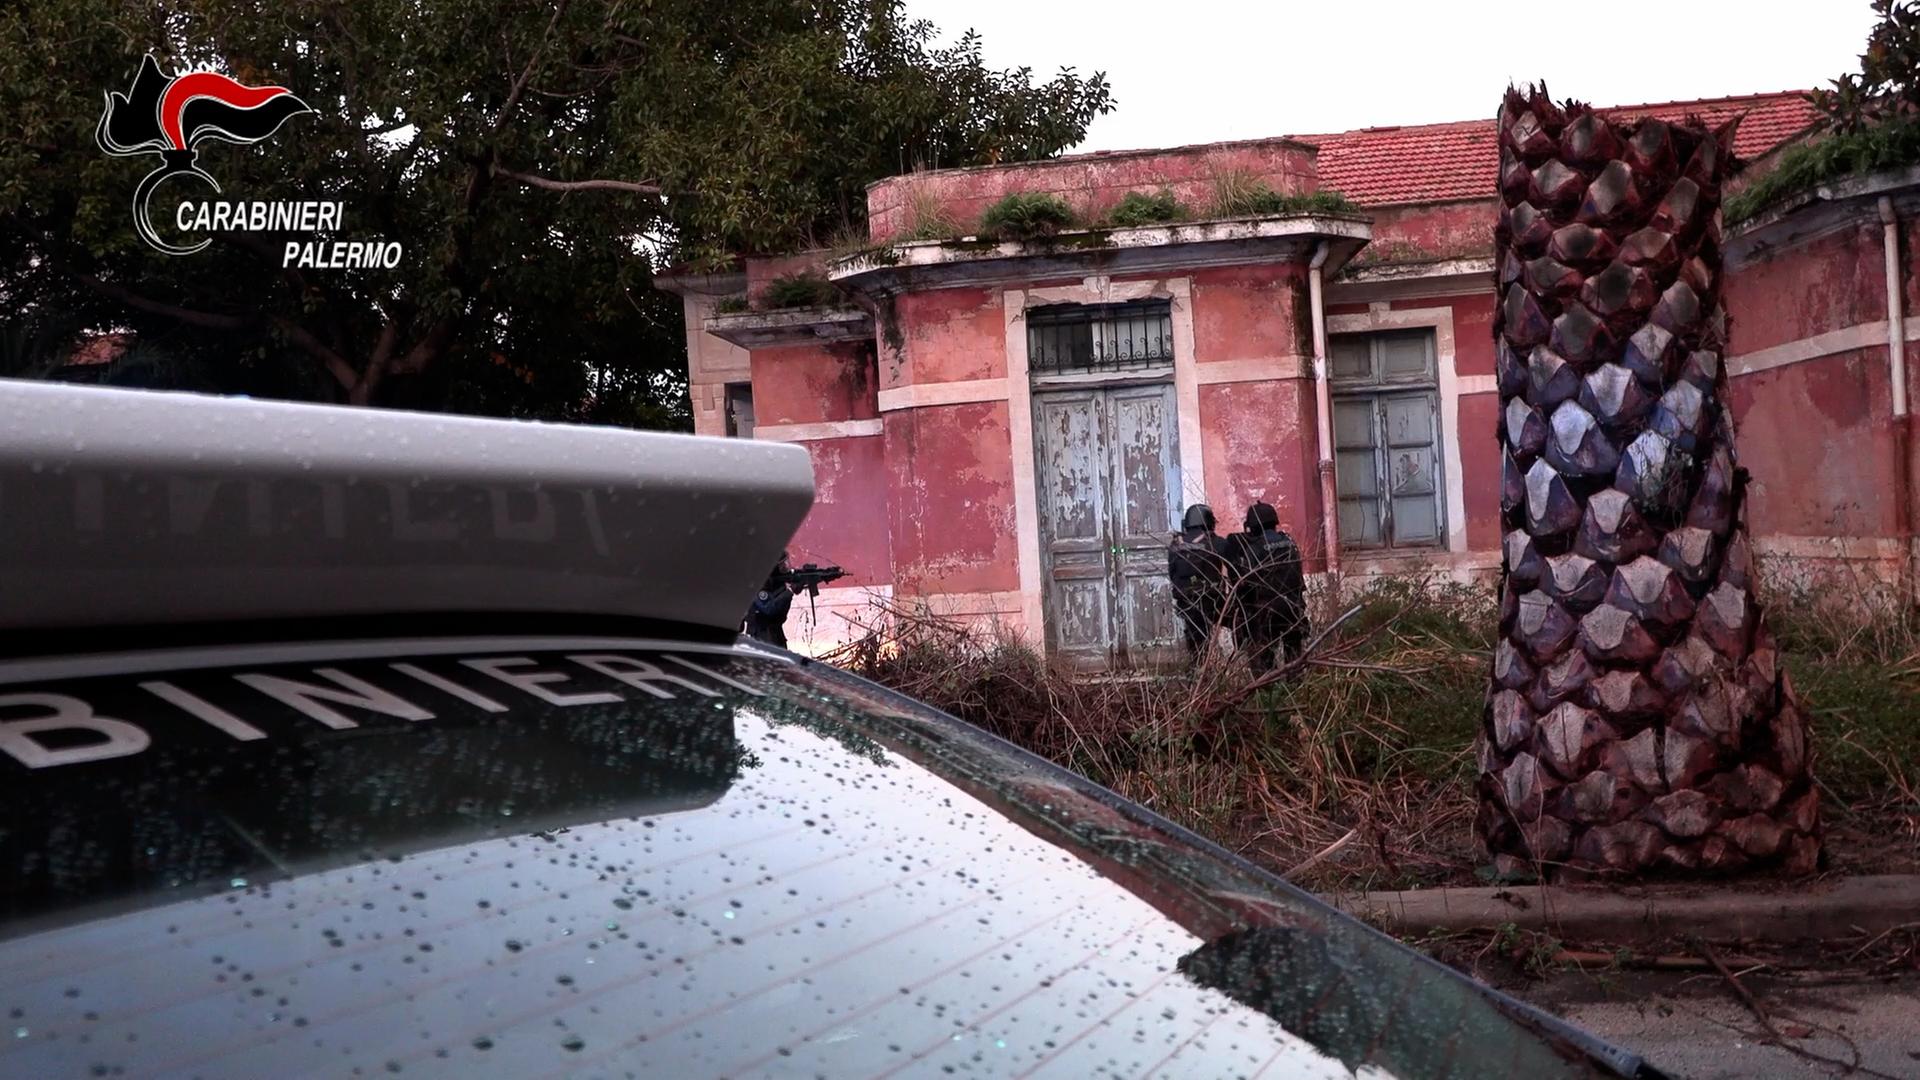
(1270, 590)
(1197, 566)
(767, 615)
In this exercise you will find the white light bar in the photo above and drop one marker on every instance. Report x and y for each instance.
(123, 507)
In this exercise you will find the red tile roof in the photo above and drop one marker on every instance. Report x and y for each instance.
(1461, 160)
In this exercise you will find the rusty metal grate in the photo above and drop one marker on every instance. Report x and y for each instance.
(1091, 338)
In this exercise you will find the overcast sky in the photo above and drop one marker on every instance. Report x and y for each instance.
(1203, 70)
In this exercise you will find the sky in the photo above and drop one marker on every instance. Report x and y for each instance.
(1206, 70)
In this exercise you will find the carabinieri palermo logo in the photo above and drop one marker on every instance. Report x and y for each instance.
(172, 117)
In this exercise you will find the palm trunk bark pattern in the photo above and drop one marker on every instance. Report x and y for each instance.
(1639, 718)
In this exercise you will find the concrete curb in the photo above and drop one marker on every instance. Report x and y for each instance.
(1784, 913)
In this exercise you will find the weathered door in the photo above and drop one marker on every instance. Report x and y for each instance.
(1071, 478)
(1107, 487)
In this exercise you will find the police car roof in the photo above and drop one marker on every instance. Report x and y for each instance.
(123, 507)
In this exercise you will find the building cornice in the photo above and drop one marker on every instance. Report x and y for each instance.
(1402, 281)
(971, 261)
(794, 326)
(1821, 211)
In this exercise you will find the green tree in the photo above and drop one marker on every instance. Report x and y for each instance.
(537, 160)
(1887, 87)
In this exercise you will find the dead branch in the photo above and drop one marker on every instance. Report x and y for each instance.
(1753, 1005)
(1280, 671)
(1322, 855)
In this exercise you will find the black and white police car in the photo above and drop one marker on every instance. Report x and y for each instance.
(350, 743)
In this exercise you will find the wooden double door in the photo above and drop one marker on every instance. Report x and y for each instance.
(1108, 481)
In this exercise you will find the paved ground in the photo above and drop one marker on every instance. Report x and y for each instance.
(1695, 1029)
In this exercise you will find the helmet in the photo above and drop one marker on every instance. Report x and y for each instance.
(1198, 516)
(1261, 516)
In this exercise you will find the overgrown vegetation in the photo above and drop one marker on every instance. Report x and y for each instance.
(1870, 115)
(731, 305)
(1853, 650)
(1892, 145)
(1237, 194)
(1357, 773)
(927, 217)
(807, 289)
(1027, 215)
(1138, 208)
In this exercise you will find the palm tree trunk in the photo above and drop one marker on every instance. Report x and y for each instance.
(1638, 718)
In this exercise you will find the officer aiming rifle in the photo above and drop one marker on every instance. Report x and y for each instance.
(767, 615)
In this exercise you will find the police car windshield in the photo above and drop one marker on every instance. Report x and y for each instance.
(546, 858)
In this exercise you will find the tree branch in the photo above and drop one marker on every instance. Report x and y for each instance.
(544, 183)
(262, 247)
(212, 320)
(429, 347)
(362, 392)
(533, 62)
(337, 365)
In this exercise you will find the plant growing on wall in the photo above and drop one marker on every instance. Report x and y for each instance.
(1870, 118)
(1638, 717)
(809, 289)
(1239, 194)
(1138, 208)
(1027, 216)
(927, 217)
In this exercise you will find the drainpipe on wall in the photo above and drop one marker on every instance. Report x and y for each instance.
(1897, 376)
(1329, 499)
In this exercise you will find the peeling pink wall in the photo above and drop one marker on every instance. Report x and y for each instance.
(1258, 442)
(1817, 437)
(1817, 441)
(848, 523)
(1480, 469)
(1251, 313)
(808, 384)
(949, 335)
(950, 474)
(1830, 283)
(1431, 231)
(1090, 183)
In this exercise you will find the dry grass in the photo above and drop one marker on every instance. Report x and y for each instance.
(1354, 772)
(927, 217)
(1349, 773)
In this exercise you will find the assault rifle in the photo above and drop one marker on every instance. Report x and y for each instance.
(809, 577)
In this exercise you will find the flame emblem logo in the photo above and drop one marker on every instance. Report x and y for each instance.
(173, 116)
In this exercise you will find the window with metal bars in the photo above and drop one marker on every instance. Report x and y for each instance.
(1386, 432)
(1068, 339)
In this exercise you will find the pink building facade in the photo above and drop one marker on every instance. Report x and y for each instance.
(1009, 431)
